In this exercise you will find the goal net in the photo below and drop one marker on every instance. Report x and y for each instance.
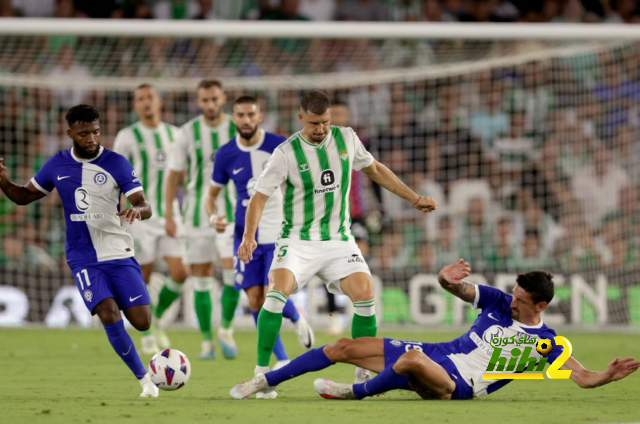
(527, 136)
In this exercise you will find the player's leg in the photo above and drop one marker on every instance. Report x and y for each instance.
(306, 337)
(304, 331)
(202, 285)
(256, 295)
(149, 344)
(359, 288)
(281, 284)
(170, 291)
(117, 285)
(230, 296)
(366, 352)
(109, 314)
(428, 378)
(199, 256)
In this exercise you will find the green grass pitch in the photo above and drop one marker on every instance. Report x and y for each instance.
(73, 376)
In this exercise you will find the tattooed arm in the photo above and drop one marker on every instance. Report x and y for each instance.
(451, 279)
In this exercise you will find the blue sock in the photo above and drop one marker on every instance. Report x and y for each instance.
(278, 350)
(387, 380)
(124, 347)
(311, 360)
(290, 311)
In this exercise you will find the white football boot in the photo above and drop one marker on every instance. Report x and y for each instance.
(149, 390)
(329, 389)
(362, 375)
(254, 386)
(305, 333)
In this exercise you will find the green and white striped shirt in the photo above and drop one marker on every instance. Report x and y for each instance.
(147, 149)
(195, 151)
(315, 180)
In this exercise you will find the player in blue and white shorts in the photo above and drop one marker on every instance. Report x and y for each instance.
(448, 370)
(242, 160)
(90, 180)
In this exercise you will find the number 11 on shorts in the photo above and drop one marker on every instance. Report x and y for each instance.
(86, 278)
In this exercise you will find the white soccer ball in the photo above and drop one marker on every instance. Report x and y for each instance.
(170, 369)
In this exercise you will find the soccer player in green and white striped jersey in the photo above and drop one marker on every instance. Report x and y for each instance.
(146, 144)
(313, 171)
(194, 153)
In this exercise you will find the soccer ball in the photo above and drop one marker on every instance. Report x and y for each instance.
(170, 369)
(544, 347)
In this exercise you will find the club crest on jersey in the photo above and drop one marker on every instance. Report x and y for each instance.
(344, 155)
(161, 156)
(100, 179)
(88, 295)
(491, 332)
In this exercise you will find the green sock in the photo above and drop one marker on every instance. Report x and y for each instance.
(269, 324)
(230, 299)
(362, 326)
(168, 294)
(203, 306)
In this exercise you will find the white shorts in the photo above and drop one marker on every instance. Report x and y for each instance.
(201, 246)
(331, 261)
(151, 241)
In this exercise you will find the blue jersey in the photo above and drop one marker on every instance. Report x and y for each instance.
(90, 192)
(472, 351)
(243, 165)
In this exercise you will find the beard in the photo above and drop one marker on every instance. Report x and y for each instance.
(248, 133)
(84, 153)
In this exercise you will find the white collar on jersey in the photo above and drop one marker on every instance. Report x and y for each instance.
(225, 118)
(538, 325)
(141, 125)
(256, 146)
(77, 159)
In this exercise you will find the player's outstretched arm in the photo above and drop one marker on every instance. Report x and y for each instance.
(252, 218)
(20, 195)
(217, 221)
(387, 179)
(451, 277)
(140, 208)
(587, 379)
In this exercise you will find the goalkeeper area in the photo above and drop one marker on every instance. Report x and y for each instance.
(75, 379)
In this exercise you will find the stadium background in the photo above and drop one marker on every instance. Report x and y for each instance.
(530, 147)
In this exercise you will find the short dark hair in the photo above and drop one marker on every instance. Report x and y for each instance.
(539, 284)
(208, 83)
(144, 85)
(242, 100)
(315, 101)
(82, 113)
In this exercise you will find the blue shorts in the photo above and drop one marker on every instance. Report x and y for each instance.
(120, 279)
(394, 348)
(256, 272)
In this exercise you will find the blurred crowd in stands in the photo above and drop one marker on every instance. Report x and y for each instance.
(561, 11)
(534, 165)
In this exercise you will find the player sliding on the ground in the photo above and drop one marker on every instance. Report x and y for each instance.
(241, 161)
(447, 370)
(312, 169)
(90, 180)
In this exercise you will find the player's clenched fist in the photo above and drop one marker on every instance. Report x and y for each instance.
(426, 204)
(245, 251)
